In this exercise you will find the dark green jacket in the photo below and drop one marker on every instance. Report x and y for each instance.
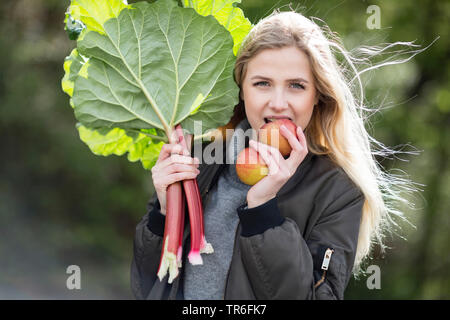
(279, 246)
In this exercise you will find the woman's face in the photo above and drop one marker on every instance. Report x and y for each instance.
(279, 84)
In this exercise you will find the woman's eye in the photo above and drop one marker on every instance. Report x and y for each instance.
(261, 83)
(297, 85)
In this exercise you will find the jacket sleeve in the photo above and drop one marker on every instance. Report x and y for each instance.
(282, 265)
(147, 250)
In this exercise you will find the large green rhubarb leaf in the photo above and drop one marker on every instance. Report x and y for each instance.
(143, 142)
(155, 66)
(228, 15)
(139, 145)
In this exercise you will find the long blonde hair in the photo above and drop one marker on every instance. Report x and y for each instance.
(337, 126)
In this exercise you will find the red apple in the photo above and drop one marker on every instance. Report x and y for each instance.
(250, 167)
(270, 134)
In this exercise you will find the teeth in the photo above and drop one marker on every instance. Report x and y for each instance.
(272, 119)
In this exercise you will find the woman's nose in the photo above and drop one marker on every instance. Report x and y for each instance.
(278, 101)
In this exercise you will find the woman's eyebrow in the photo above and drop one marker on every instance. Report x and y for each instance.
(294, 79)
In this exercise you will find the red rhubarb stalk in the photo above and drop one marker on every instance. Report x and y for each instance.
(198, 240)
(173, 233)
(181, 231)
(205, 247)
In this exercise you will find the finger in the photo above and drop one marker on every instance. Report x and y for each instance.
(168, 149)
(173, 139)
(298, 144)
(188, 138)
(273, 151)
(180, 159)
(180, 176)
(182, 138)
(302, 138)
(292, 139)
(269, 159)
(178, 167)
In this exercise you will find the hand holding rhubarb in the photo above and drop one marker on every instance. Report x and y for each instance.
(174, 164)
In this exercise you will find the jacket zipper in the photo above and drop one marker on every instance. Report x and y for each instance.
(325, 263)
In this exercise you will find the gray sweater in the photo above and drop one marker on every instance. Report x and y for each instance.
(207, 281)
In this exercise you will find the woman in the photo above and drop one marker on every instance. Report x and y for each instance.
(302, 231)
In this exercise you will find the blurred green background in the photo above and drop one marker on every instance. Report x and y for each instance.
(61, 205)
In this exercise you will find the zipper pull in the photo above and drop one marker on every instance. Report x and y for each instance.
(327, 258)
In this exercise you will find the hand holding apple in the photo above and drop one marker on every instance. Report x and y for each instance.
(280, 169)
(270, 135)
(250, 167)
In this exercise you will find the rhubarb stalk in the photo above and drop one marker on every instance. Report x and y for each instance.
(198, 241)
(173, 233)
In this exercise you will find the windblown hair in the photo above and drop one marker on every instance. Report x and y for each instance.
(337, 126)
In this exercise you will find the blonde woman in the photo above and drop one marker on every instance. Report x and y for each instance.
(302, 231)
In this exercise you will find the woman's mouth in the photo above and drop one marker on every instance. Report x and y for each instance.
(271, 119)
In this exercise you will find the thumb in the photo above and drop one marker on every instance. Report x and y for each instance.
(173, 139)
(189, 138)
